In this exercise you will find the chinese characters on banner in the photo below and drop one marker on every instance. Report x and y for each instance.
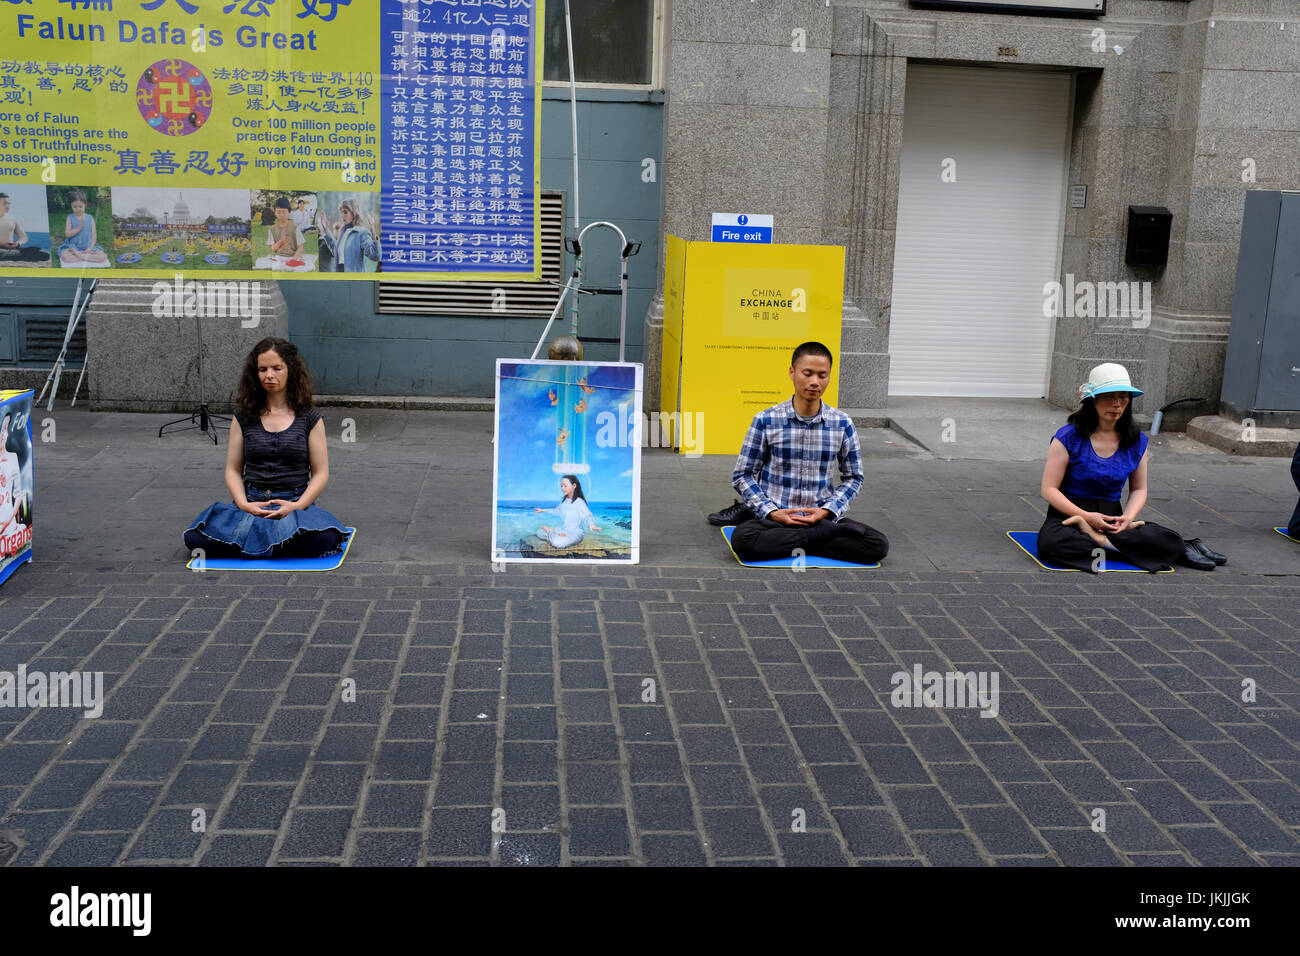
(459, 108)
(314, 138)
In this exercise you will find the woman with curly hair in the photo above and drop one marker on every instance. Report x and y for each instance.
(277, 466)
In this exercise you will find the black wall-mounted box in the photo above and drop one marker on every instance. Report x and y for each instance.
(1148, 236)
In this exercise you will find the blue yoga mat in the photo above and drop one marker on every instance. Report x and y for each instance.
(327, 563)
(1282, 532)
(808, 561)
(1028, 543)
(15, 565)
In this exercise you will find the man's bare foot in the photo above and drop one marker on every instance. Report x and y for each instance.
(1097, 537)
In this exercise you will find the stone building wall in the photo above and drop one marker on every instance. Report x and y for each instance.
(1181, 94)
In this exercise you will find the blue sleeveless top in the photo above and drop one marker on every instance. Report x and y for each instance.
(1090, 476)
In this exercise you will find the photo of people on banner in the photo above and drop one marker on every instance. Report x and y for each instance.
(189, 229)
(81, 226)
(15, 480)
(283, 232)
(24, 226)
(567, 472)
(348, 224)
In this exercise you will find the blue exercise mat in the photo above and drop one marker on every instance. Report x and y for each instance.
(15, 565)
(1282, 532)
(808, 561)
(327, 563)
(1027, 541)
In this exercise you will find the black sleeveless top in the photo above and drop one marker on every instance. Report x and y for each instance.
(278, 461)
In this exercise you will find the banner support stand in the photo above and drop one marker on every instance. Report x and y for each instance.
(201, 413)
(79, 304)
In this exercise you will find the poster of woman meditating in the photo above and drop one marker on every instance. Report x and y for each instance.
(568, 462)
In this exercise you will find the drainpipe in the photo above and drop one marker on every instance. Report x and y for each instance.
(1159, 416)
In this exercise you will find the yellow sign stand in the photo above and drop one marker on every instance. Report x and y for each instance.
(733, 313)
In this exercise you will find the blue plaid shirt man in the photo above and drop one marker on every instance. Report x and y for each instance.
(785, 461)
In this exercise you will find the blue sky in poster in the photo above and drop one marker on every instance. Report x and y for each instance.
(529, 424)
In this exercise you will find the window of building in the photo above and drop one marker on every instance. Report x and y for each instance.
(613, 42)
(521, 299)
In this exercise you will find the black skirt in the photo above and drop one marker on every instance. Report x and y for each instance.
(1151, 547)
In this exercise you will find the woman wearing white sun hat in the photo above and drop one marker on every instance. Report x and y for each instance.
(1089, 461)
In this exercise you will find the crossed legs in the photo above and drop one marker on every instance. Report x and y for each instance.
(763, 539)
(308, 544)
(1070, 542)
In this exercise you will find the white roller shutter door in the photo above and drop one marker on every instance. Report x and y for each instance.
(971, 256)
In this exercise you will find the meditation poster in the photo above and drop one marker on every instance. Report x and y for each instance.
(567, 476)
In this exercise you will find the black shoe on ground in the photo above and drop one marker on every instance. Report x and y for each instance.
(1199, 545)
(1192, 558)
(736, 513)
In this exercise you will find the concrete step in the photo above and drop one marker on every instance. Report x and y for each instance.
(34, 378)
(1237, 439)
(428, 403)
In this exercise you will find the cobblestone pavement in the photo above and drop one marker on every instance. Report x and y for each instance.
(683, 711)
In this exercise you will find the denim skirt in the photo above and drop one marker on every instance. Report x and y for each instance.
(255, 536)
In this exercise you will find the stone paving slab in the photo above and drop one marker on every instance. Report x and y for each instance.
(417, 708)
(768, 733)
(419, 487)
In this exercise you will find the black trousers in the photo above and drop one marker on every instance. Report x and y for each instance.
(308, 544)
(762, 539)
(1293, 529)
(25, 254)
(1151, 547)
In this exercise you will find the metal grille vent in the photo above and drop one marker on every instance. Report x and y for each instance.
(43, 338)
(522, 299)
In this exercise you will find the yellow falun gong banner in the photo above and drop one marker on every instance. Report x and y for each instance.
(294, 139)
(733, 313)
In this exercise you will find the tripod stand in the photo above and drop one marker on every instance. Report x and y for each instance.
(200, 418)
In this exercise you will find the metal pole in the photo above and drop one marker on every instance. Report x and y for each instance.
(198, 331)
(57, 370)
(622, 321)
(554, 312)
(78, 312)
(80, 378)
(573, 112)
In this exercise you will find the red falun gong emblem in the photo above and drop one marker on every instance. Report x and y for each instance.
(174, 97)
